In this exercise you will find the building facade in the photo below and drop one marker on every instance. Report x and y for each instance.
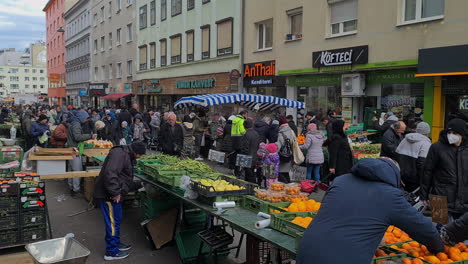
(344, 56)
(77, 56)
(23, 72)
(113, 47)
(55, 40)
(185, 48)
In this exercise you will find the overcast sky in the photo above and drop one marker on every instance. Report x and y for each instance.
(21, 23)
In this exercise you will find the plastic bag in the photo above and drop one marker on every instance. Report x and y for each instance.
(44, 138)
(185, 184)
(26, 164)
(123, 142)
(308, 186)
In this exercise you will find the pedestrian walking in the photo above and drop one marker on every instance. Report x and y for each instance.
(171, 136)
(391, 139)
(263, 128)
(315, 157)
(341, 156)
(310, 119)
(412, 153)
(292, 124)
(114, 182)
(249, 146)
(138, 128)
(286, 138)
(124, 134)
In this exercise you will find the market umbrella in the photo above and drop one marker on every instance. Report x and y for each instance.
(252, 101)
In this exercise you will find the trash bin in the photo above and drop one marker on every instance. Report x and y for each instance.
(65, 250)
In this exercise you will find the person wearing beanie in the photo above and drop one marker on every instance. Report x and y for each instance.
(310, 119)
(274, 130)
(444, 172)
(123, 135)
(115, 181)
(249, 144)
(292, 124)
(315, 157)
(39, 128)
(412, 152)
(286, 137)
(271, 164)
(139, 128)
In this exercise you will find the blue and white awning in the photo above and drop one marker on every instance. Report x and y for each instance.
(252, 101)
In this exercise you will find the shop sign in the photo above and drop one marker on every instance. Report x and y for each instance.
(260, 74)
(98, 89)
(156, 90)
(208, 83)
(393, 76)
(314, 80)
(154, 82)
(346, 56)
(54, 78)
(127, 87)
(463, 105)
(396, 100)
(83, 93)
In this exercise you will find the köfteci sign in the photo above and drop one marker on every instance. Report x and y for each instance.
(260, 74)
(337, 57)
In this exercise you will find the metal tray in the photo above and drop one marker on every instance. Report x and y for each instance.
(60, 250)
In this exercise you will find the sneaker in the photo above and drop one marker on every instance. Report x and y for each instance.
(124, 247)
(120, 255)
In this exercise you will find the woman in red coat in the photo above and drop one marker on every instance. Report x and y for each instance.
(59, 137)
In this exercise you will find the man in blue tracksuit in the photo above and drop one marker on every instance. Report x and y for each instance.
(114, 181)
(355, 213)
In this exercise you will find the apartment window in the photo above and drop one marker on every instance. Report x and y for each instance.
(33, 78)
(119, 5)
(26, 70)
(42, 79)
(111, 71)
(129, 3)
(103, 73)
(153, 12)
(42, 86)
(224, 36)
(163, 44)
(13, 70)
(95, 20)
(343, 19)
(14, 79)
(190, 45)
(190, 4)
(110, 9)
(95, 46)
(422, 10)
(102, 14)
(176, 49)
(129, 68)
(26, 79)
(265, 35)
(118, 36)
(163, 10)
(205, 41)
(16, 86)
(42, 71)
(176, 7)
(205, 1)
(119, 70)
(143, 17)
(129, 33)
(34, 86)
(152, 47)
(143, 57)
(110, 40)
(103, 39)
(295, 24)
(26, 86)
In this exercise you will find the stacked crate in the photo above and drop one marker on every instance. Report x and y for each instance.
(23, 212)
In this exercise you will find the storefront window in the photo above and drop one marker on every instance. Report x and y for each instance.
(320, 99)
(405, 100)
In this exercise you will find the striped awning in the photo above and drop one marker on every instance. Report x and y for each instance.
(252, 101)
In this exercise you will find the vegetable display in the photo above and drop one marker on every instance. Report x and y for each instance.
(189, 165)
(366, 150)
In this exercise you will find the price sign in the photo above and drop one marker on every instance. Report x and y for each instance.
(439, 207)
(243, 161)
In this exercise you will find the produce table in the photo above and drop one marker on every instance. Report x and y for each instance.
(240, 219)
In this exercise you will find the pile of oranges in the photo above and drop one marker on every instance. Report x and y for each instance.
(302, 221)
(458, 252)
(301, 206)
(395, 235)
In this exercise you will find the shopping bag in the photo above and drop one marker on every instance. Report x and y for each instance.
(297, 153)
(308, 186)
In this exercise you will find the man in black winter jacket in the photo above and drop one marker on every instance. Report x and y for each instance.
(445, 171)
(114, 181)
(263, 128)
(391, 139)
(171, 136)
(250, 142)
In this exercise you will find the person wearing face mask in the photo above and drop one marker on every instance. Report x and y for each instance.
(444, 172)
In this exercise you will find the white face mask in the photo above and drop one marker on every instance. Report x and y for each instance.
(452, 138)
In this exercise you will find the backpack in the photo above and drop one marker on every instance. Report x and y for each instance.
(286, 152)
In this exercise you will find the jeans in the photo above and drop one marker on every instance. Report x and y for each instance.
(315, 170)
(75, 165)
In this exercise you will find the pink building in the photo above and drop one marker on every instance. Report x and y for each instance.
(55, 23)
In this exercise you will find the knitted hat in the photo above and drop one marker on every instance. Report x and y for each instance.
(139, 148)
(99, 125)
(311, 127)
(311, 114)
(248, 124)
(69, 107)
(423, 128)
(42, 117)
(457, 125)
(283, 120)
(124, 124)
(272, 148)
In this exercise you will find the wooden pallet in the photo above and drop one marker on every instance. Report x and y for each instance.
(16, 258)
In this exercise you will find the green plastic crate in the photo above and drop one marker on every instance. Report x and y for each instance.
(188, 244)
(11, 153)
(282, 222)
(155, 207)
(171, 178)
(254, 204)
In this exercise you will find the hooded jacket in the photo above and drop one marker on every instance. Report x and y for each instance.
(116, 176)
(355, 213)
(313, 145)
(238, 129)
(249, 145)
(37, 130)
(412, 156)
(263, 130)
(75, 133)
(445, 173)
(227, 138)
(390, 142)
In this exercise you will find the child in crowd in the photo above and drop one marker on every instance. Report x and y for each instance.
(271, 164)
(261, 153)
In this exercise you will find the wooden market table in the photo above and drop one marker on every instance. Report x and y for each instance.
(239, 218)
